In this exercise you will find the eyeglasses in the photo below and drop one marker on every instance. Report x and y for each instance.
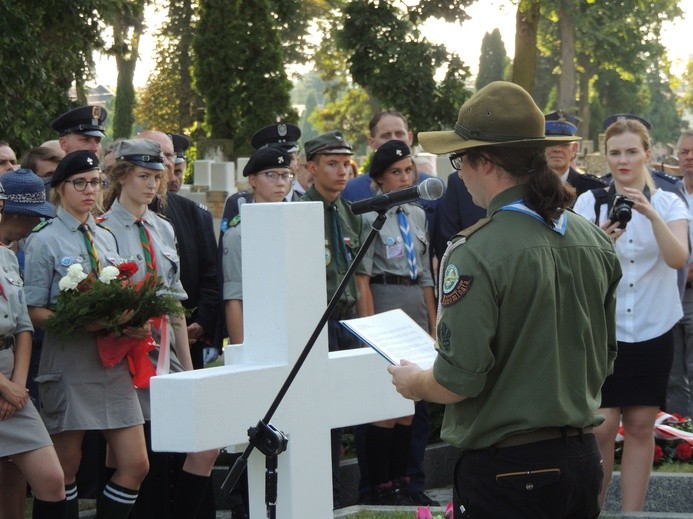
(456, 159)
(81, 184)
(275, 176)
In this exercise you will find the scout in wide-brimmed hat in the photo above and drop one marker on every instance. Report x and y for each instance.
(500, 114)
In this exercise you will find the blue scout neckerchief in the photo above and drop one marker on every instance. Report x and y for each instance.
(560, 224)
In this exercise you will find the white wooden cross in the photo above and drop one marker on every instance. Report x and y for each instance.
(284, 297)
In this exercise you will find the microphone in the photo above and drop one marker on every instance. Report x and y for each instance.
(430, 189)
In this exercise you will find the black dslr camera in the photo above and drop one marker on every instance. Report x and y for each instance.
(621, 211)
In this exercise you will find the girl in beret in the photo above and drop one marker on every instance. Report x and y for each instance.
(399, 276)
(77, 392)
(270, 178)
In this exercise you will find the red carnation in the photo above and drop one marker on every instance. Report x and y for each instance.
(683, 451)
(658, 454)
(127, 269)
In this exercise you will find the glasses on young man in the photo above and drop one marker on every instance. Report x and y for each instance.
(274, 176)
(81, 184)
(456, 159)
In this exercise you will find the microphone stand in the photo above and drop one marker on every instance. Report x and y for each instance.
(266, 438)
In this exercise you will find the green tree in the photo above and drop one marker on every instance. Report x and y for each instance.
(239, 70)
(382, 41)
(492, 60)
(349, 115)
(169, 102)
(45, 48)
(126, 18)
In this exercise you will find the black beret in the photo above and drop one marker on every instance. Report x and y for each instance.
(330, 143)
(86, 120)
(560, 123)
(389, 153)
(74, 163)
(180, 145)
(283, 135)
(267, 158)
(624, 117)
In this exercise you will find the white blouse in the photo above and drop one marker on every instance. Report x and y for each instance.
(647, 299)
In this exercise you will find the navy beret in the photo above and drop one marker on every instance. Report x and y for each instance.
(86, 120)
(267, 158)
(389, 153)
(74, 163)
(330, 143)
(283, 135)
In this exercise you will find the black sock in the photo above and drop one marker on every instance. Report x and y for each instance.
(71, 501)
(48, 509)
(378, 446)
(115, 502)
(399, 456)
(190, 489)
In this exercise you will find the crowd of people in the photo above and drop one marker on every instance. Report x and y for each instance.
(556, 317)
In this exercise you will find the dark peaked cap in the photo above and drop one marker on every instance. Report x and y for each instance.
(85, 120)
(284, 135)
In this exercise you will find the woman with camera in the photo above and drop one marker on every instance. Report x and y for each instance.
(649, 228)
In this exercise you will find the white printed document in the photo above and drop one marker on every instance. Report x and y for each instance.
(395, 336)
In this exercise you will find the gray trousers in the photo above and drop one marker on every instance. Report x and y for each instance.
(680, 387)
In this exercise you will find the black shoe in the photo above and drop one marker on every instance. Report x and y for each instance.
(420, 499)
(387, 494)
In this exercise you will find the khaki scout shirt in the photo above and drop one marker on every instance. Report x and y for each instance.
(526, 329)
(353, 232)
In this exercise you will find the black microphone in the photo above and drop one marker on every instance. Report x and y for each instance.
(430, 189)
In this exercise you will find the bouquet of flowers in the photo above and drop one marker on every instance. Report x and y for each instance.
(87, 298)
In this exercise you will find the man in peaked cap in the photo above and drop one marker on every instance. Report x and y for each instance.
(328, 157)
(560, 156)
(180, 145)
(81, 128)
(508, 339)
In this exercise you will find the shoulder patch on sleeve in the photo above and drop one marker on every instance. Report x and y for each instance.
(455, 286)
(41, 225)
(235, 221)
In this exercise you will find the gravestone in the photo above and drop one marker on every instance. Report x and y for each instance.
(283, 262)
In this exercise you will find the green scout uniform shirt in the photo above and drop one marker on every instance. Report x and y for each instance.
(526, 327)
(352, 230)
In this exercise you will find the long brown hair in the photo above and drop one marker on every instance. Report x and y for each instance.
(119, 172)
(546, 193)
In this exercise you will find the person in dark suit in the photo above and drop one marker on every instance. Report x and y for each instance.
(454, 212)
(560, 157)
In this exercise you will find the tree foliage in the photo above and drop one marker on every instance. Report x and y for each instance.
(239, 70)
(45, 48)
(396, 67)
(492, 60)
(169, 102)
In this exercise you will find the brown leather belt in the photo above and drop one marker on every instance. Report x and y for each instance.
(6, 342)
(538, 435)
(387, 279)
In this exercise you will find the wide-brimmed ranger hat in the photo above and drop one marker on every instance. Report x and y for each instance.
(25, 194)
(500, 114)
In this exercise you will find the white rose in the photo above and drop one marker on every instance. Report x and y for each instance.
(67, 283)
(108, 274)
(75, 271)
